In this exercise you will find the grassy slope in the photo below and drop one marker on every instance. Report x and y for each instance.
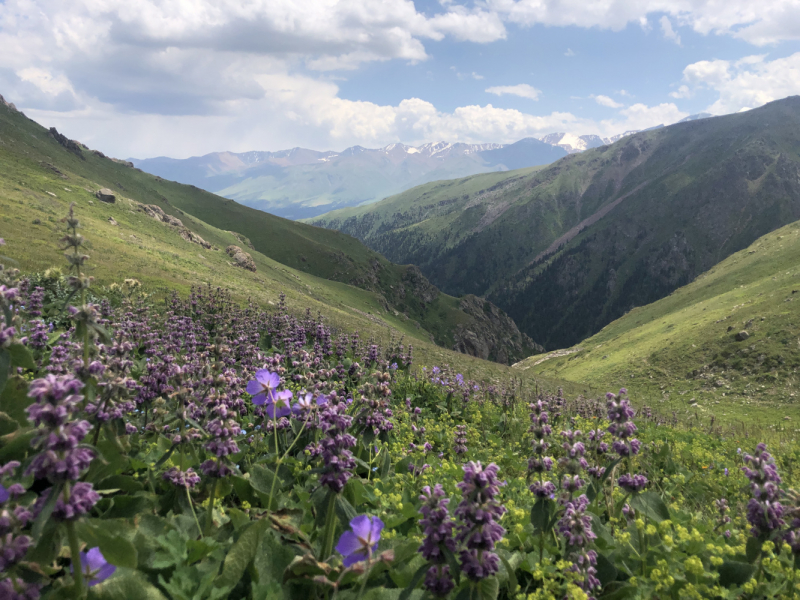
(678, 351)
(26, 146)
(684, 198)
(141, 247)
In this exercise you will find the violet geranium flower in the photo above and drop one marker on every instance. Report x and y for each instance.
(360, 543)
(261, 388)
(95, 567)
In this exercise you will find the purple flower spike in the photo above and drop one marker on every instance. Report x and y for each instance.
(360, 543)
(632, 483)
(95, 567)
(261, 387)
(4, 495)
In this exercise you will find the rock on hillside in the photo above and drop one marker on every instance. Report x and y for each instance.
(157, 213)
(241, 258)
(493, 335)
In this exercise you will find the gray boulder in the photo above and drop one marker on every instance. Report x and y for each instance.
(106, 195)
(241, 258)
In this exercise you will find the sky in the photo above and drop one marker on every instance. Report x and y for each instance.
(180, 78)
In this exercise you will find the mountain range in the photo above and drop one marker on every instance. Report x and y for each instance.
(567, 248)
(302, 183)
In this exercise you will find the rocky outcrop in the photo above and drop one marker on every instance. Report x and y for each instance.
(243, 239)
(241, 258)
(70, 145)
(106, 195)
(157, 213)
(492, 335)
(8, 104)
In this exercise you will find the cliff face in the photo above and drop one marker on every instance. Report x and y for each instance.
(492, 335)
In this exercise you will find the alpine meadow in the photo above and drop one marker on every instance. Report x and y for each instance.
(404, 300)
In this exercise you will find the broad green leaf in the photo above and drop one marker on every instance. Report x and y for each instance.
(415, 580)
(488, 588)
(5, 366)
(241, 555)
(14, 399)
(21, 357)
(116, 549)
(733, 572)
(540, 514)
(129, 585)
(651, 504)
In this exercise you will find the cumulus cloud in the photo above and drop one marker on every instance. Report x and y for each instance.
(640, 116)
(746, 83)
(761, 23)
(606, 101)
(523, 90)
(668, 31)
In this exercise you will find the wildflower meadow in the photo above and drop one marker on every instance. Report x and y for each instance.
(159, 447)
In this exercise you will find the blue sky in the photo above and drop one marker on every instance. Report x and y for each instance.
(185, 77)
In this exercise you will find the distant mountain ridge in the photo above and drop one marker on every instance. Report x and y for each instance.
(567, 248)
(301, 183)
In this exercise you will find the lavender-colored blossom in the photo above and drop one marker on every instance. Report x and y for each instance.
(575, 525)
(437, 524)
(632, 484)
(460, 446)
(439, 581)
(17, 589)
(620, 414)
(261, 388)
(185, 479)
(764, 511)
(82, 499)
(95, 567)
(334, 447)
(543, 489)
(478, 531)
(361, 541)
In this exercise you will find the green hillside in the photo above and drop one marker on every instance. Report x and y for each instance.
(568, 248)
(39, 177)
(684, 348)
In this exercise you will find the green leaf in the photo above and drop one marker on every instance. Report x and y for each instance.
(128, 585)
(15, 446)
(116, 549)
(540, 514)
(512, 576)
(14, 399)
(241, 555)
(418, 575)
(21, 357)
(345, 511)
(606, 571)
(753, 549)
(733, 572)
(651, 504)
(488, 588)
(261, 479)
(455, 568)
(5, 366)
(127, 507)
(47, 510)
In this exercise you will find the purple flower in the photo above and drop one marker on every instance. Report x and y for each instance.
(764, 512)
(632, 484)
(477, 512)
(460, 446)
(576, 525)
(187, 479)
(439, 581)
(4, 495)
(306, 402)
(362, 541)
(16, 589)
(543, 489)
(95, 567)
(261, 387)
(437, 524)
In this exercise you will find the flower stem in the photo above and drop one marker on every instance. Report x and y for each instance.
(75, 557)
(330, 528)
(191, 505)
(210, 514)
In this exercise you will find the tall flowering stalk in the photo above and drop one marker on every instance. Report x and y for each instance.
(437, 525)
(478, 529)
(576, 528)
(622, 428)
(61, 459)
(764, 511)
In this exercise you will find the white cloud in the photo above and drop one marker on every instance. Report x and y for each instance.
(682, 92)
(606, 101)
(761, 23)
(746, 83)
(523, 90)
(668, 31)
(641, 116)
(569, 52)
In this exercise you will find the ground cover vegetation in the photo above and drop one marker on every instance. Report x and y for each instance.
(723, 348)
(567, 248)
(192, 447)
(320, 269)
